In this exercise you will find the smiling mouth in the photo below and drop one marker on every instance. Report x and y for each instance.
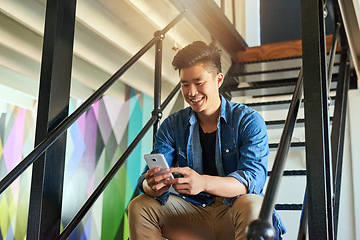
(197, 100)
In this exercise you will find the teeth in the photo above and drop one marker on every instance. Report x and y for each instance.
(195, 100)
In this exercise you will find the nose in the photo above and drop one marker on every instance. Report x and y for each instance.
(192, 90)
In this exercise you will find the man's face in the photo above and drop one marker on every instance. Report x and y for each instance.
(200, 88)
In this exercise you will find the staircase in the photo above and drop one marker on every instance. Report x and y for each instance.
(267, 86)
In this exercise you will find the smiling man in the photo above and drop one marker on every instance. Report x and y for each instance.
(219, 148)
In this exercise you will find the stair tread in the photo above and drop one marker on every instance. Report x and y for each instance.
(293, 144)
(265, 84)
(255, 104)
(279, 70)
(269, 71)
(287, 206)
(279, 50)
(291, 173)
(273, 84)
(268, 103)
(279, 122)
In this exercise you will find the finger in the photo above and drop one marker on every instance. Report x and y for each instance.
(170, 181)
(159, 186)
(182, 170)
(149, 174)
(181, 188)
(153, 171)
(162, 177)
(181, 180)
(183, 191)
(162, 190)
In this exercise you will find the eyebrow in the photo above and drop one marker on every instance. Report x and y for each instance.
(192, 80)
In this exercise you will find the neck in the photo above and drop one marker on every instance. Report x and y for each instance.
(208, 122)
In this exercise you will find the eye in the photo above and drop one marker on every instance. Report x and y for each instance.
(199, 83)
(184, 84)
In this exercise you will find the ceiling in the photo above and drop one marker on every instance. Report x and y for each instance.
(107, 34)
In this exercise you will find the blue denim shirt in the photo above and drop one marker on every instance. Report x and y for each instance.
(242, 150)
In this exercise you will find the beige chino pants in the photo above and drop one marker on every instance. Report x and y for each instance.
(180, 220)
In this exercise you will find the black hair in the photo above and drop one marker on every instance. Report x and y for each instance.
(198, 52)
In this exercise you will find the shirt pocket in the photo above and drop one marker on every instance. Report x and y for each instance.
(229, 150)
(182, 160)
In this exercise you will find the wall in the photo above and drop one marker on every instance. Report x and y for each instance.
(349, 222)
(280, 20)
(247, 18)
(94, 143)
(16, 141)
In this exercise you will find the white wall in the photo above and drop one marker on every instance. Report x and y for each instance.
(357, 10)
(252, 22)
(247, 19)
(349, 222)
(349, 214)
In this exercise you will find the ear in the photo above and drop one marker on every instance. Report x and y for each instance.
(220, 79)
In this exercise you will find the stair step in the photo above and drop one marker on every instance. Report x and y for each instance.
(282, 122)
(277, 70)
(263, 91)
(277, 102)
(267, 84)
(273, 124)
(259, 76)
(274, 64)
(256, 104)
(277, 74)
(277, 105)
(269, 88)
(292, 173)
(276, 51)
(293, 144)
(277, 64)
(291, 207)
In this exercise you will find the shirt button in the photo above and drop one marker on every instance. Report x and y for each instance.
(204, 205)
(183, 197)
(227, 150)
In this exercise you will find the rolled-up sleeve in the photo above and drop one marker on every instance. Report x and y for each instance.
(253, 153)
(164, 143)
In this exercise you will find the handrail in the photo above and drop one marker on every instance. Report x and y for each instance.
(101, 187)
(67, 122)
(261, 227)
(157, 84)
(332, 54)
(338, 130)
(303, 219)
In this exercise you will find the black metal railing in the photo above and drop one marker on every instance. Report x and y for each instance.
(66, 123)
(338, 128)
(101, 187)
(304, 215)
(303, 220)
(332, 54)
(261, 228)
(258, 228)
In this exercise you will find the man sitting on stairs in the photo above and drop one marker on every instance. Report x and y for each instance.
(219, 148)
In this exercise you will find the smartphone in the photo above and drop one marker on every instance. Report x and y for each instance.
(157, 160)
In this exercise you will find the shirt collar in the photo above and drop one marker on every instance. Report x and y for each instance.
(193, 118)
(222, 108)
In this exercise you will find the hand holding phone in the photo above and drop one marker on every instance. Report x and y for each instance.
(157, 160)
